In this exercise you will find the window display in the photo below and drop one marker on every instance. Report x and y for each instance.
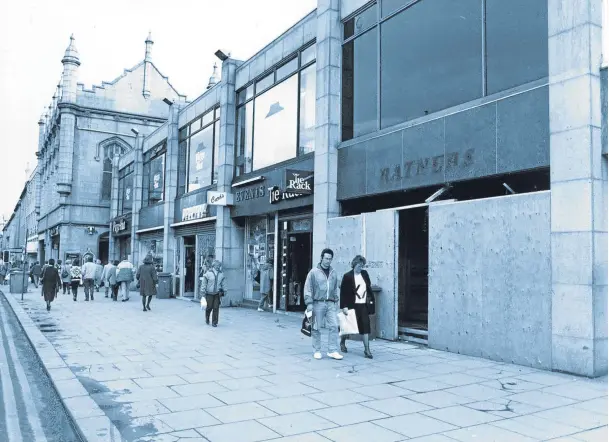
(154, 248)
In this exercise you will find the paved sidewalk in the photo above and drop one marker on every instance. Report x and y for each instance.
(165, 376)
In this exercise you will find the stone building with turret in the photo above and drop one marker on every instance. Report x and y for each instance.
(80, 134)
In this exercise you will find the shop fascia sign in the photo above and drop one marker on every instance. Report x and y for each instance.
(276, 195)
(119, 226)
(219, 198)
(195, 212)
(298, 182)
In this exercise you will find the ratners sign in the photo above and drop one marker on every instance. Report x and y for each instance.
(299, 182)
(195, 212)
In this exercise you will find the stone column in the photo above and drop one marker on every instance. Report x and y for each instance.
(229, 236)
(113, 207)
(138, 172)
(327, 114)
(578, 176)
(171, 186)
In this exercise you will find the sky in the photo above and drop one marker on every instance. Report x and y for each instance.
(109, 36)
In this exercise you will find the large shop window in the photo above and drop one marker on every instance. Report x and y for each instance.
(154, 248)
(198, 152)
(125, 189)
(277, 122)
(154, 178)
(435, 54)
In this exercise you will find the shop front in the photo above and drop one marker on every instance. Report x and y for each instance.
(121, 234)
(195, 232)
(149, 239)
(55, 241)
(277, 211)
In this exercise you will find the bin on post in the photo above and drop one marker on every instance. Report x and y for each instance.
(18, 282)
(163, 291)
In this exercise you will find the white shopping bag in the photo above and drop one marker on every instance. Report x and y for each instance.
(347, 323)
(203, 303)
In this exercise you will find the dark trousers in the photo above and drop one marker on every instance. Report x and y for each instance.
(213, 306)
(66, 287)
(115, 288)
(75, 285)
(88, 288)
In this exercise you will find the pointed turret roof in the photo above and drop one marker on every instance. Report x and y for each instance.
(213, 80)
(71, 55)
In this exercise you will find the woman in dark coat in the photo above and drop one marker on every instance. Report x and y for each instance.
(356, 293)
(147, 280)
(51, 282)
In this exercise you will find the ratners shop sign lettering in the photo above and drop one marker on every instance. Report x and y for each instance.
(299, 181)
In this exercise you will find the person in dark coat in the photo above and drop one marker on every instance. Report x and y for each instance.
(356, 293)
(51, 282)
(147, 279)
(36, 271)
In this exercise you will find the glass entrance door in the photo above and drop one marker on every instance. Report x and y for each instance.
(190, 272)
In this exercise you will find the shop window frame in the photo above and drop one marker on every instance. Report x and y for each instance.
(240, 163)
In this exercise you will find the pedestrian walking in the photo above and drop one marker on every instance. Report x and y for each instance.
(3, 272)
(356, 294)
(35, 272)
(99, 270)
(51, 281)
(66, 277)
(88, 277)
(75, 278)
(266, 285)
(213, 288)
(104, 278)
(124, 276)
(147, 280)
(321, 297)
(111, 279)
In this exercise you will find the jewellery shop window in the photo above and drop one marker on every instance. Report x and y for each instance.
(260, 249)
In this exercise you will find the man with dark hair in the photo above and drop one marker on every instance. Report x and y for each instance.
(88, 277)
(321, 297)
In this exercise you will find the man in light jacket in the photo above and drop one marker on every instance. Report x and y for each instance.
(104, 277)
(266, 285)
(124, 276)
(212, 287)
(321, 297)
(88, 277)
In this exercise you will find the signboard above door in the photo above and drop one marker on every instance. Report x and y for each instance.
(219, 198)
(298, 181)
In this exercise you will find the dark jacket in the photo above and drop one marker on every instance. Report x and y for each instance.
(347, 289)
(147, 277)
(51, 282)
(36, 270)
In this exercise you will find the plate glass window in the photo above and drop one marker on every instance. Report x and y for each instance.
(201, 159)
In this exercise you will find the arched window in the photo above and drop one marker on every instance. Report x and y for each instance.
(111, 147)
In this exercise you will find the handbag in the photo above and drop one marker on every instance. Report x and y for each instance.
(203, 303)
(347, 323)
(306, 326)
(371, 302)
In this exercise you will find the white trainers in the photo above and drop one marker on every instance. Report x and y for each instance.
(317, 355)
(260, 310)
(335, 355)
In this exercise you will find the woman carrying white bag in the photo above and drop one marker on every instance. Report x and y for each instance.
(356, 301)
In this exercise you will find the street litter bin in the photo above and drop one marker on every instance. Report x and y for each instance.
(163, 291)
(18, 283)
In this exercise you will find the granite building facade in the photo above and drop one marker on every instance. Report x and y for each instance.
(473, 177)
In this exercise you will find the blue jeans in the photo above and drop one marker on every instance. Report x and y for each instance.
(325, 310)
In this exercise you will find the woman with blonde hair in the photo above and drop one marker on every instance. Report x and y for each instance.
(356, 293)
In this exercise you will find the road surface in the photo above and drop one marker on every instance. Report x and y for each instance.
(30, 409)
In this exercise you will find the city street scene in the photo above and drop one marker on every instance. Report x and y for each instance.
(304, 221)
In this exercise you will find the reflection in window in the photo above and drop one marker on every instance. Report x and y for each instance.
(154, 179)
(245, 122)
(430, 75)
(197, 154)
(516, 42)
(125, 193)
(275, 124)
(201, 160)
(360, 70)
(306, 132)
(279, 123)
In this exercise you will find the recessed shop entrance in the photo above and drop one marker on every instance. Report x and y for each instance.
(190, 256)
(298, 265)
(413, 267)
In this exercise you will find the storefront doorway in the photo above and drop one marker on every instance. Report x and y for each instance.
(103, 247)
(295, 263)
(413, 267)
(190, 257)
(298, 266)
